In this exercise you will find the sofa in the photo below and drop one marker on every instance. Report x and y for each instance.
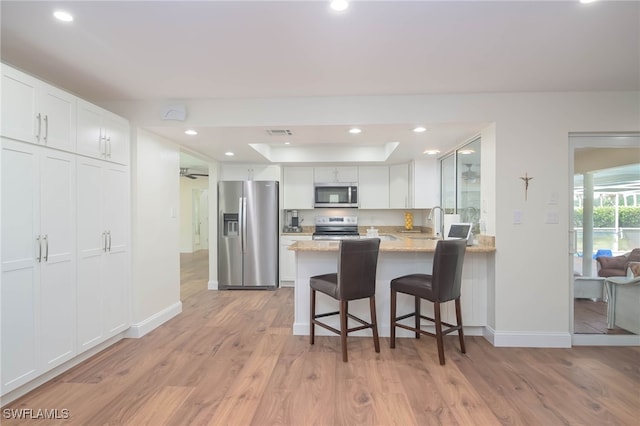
(616, 266)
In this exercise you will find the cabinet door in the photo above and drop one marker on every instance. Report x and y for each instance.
(399, 186)
(115, 266)
(91, 247)
(347, 174)
(20, 310)
(242, 172)
(58, 112)
(58, 266)
(288, 257)
(89, 138)
(426, 184)
(265, 173)
(373, 187)
(19, 113)
(298, 188)
(116, 131)
(336, 174)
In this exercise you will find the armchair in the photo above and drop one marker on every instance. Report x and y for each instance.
(623, 308)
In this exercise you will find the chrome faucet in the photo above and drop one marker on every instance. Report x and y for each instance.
(430, 217)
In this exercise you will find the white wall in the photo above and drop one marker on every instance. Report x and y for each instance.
(155, 230)
(532, 280)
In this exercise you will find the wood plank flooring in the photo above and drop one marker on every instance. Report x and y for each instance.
(230, 359)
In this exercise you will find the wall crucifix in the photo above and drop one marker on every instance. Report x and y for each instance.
(526, 178)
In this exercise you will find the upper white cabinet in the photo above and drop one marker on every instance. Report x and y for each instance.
(399, 186)
(102, 134)
(335, 174)
(425, 184)
(36, 112)
(373, 187)
(38, 261)
(250, 172)
(298, 188)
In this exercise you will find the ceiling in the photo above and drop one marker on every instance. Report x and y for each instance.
(180, 50)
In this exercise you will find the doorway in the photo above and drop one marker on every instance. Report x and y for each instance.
(605, 186)
(200, 220)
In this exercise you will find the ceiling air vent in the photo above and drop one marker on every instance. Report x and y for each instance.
(280, 132)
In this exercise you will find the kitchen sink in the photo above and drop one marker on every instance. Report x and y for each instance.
(424, 237)
(387, 238)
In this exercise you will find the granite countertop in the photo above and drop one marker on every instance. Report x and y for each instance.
(404, 243)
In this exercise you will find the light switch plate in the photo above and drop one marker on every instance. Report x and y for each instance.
(517, 217)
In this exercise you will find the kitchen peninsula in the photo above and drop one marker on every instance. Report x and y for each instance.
(399, 255)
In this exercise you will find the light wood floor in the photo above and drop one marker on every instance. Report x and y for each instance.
(230, 359)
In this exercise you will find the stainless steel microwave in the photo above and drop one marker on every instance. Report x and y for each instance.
(336, 195)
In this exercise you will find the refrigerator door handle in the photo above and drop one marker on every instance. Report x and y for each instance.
(243, 224)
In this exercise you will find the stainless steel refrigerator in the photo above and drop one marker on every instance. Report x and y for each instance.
(248, 234)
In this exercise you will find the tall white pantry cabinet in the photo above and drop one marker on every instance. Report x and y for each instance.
(65, 229)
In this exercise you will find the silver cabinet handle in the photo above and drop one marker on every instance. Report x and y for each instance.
(104, 241)
(46, 129)
(46, 247)
(108, 144)
(109, 237)
(39, 249)
(39, 118)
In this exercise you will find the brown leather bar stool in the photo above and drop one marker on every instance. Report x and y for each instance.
(355, 279)
(442, 286)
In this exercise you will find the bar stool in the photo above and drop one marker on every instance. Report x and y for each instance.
(355, 279)
(442, 286)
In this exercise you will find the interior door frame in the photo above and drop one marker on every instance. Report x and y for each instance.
(594, 140)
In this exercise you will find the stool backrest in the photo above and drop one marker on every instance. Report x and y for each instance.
(447, 269)
(357, 264)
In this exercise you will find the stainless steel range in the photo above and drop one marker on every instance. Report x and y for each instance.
(336, 228)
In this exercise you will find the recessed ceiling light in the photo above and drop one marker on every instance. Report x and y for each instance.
(339, 5)
(588, 1)
(355, 130)
(420, 129)
(431, 152)
(466, 151)
(287, 143)
(190, 132)
(63, 16)
(229, 154)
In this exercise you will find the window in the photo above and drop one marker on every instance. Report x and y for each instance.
(460, 183)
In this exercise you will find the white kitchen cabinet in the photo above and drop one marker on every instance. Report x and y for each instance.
(373, 187)
(250, 172)
(36, 112)
(298, 188)
(288, 258)
(336, 174)
(38, 261)
(425, 186)
(103, 251)
(399, 185)
(102, 134)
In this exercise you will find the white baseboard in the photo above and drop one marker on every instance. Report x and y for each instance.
(527, 339)
(140, 329)
(212, 285)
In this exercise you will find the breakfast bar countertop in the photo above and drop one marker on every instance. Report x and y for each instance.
(402, 243)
